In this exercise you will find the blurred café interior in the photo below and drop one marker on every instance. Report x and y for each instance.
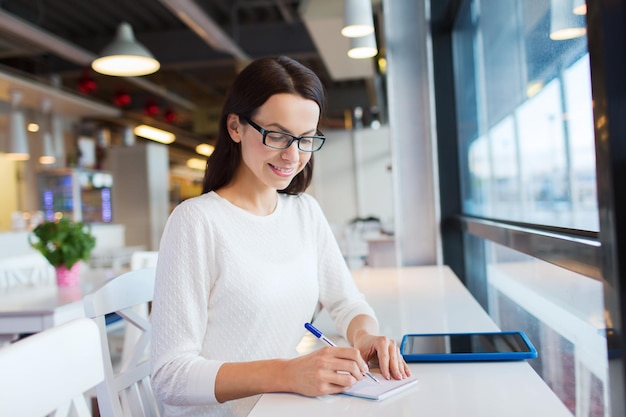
(484, 135)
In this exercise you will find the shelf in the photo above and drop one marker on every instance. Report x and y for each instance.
(63, 103)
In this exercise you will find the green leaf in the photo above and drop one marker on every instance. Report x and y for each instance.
(63, 242)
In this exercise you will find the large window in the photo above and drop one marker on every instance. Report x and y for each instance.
(525, 130)
(563, 313)
(525, 116)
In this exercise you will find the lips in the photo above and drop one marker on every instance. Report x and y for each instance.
(282, 171)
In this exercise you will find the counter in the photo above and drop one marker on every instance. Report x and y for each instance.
(420, 300)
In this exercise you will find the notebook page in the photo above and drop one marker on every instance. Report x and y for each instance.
(366, 388)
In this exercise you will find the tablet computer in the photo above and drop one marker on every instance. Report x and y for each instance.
(478, 346)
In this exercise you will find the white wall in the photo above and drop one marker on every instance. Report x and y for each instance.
(352, 178)
(372, 155)
(334, 183)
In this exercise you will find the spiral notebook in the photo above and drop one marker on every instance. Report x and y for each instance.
(368, 389)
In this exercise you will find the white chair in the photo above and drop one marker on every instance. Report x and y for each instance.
(138, 260)
(144, 259)
(51, 371)
(125, 392)
(30, 269)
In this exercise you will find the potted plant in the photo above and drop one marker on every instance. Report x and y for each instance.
(63, 243)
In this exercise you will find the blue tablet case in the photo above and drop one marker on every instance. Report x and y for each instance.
(477, 346)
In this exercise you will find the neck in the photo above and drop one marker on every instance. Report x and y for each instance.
(255, 202)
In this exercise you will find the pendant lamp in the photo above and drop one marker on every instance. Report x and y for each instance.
(128, 136)
(363, 47)
(58, 138)
(18, 142)
(47, 156)
(358, 19)
(580, 7)
(564, 24)
(125, 57)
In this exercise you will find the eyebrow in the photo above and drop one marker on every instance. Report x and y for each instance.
(285, 130)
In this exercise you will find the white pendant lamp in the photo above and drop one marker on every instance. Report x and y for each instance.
(125, 57)
(358, 19)
(580, 7)
(58, 138)
(363, 47)
(18, 142)
(564, 24)
(47, 156)
(128, 136)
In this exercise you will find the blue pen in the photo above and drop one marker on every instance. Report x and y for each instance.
(329, 342)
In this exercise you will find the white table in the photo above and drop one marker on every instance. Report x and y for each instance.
(428, 299)
(33, 308)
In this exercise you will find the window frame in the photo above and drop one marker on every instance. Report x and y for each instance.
(600, 255)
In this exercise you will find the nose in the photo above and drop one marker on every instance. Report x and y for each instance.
(292, 153)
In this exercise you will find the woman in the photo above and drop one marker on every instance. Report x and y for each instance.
(243, 266)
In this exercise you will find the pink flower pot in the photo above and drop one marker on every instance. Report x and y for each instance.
(67, 277)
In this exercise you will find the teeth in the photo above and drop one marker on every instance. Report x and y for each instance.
(282, 169)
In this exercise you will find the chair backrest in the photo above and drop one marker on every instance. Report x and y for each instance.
(51, 371)
(143, 259)
(126, 391)
(140, 259)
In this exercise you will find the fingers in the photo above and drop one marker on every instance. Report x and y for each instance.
(390, 361)
(332, 370)
(325, 371)
(345, 360)
(397, 366)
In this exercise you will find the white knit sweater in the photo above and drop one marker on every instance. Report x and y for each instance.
(233, 286)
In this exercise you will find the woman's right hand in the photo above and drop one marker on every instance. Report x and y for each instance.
(329, 370)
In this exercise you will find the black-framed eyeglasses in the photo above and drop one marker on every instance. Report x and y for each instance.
(283, 140)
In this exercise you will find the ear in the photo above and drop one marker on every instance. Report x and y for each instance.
(234, 127)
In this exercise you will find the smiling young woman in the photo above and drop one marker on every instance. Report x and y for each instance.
(243, 266)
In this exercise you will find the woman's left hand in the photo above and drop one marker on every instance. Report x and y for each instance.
(385, 352)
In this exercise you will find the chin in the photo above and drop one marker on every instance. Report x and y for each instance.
(281, 185)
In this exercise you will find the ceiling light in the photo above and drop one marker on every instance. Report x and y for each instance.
(18, 143)
(363, 47)
(580, 7)
(564, 24)
(125, 57)
(196, 163)
(533, 88)
(357, 18)
(32, 127)
(382, 65)
(155, 134)
(205, 149)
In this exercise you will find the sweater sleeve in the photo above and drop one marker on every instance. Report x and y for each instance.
(339, 294)
(180, 375)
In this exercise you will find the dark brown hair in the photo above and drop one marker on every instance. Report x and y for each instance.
(259, 81)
